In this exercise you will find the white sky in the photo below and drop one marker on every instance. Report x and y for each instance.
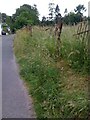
(9, 6)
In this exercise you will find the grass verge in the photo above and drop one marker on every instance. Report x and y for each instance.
(57, 91)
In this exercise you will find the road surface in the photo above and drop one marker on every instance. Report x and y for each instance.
(15, 100)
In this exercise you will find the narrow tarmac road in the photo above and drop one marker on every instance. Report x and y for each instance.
(15, 100)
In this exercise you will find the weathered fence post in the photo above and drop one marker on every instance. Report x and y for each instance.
(89, 56)
(89, 28)
(58, 29)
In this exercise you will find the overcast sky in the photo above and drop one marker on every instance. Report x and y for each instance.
(9, 6)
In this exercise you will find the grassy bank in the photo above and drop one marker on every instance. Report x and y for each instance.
(57, 90)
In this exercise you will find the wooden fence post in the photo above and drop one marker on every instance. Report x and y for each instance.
(89, 58)
(58, 30)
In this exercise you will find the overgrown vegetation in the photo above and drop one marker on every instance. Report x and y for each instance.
(57, 90)
(75, 50)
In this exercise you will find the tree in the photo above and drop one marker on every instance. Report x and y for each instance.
(21, 20)
(32, 12)
(0, 17)
(4, 17)
(26, 15)
(57, 14)
(66, 11)
(51, 11)
(71, 18)
(57, 10)
(76, 16)
(80, 9)
(44, 20)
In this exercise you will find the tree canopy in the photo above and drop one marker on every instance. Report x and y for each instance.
(25, 15)
(69, 18)
(29, 15)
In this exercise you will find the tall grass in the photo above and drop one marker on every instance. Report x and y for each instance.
(75, 50)
(57, 92)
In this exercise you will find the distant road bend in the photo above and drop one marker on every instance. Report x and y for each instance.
(15, 100)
